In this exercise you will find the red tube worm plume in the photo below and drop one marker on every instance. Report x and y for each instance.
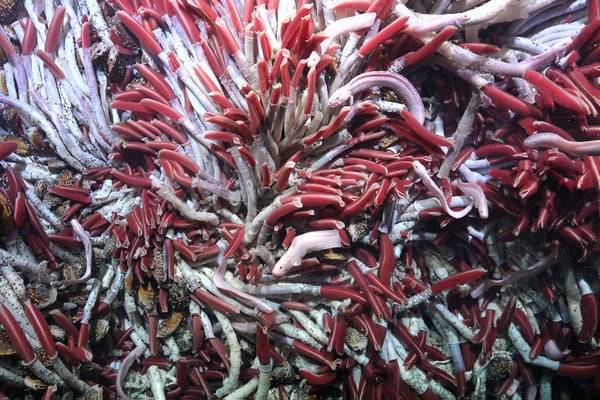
(262, 346)
(6, 148)
(16, 335)
(589, 312)
(457, 279)
(41, 328)
(50, 393)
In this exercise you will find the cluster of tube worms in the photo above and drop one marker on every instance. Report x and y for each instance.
(294, 199)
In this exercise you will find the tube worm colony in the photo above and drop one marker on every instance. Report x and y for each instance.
(351, 199)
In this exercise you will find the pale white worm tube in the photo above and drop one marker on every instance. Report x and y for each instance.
(235, 356)
(437, 192)
(125, 367)
(396, 82)
(303, 244)
(549, 139)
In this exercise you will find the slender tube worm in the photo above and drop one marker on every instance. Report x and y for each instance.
(303, 244)
(549, 139)
(125, 367)
(397, 83)
(421, 171)
(84, 237)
